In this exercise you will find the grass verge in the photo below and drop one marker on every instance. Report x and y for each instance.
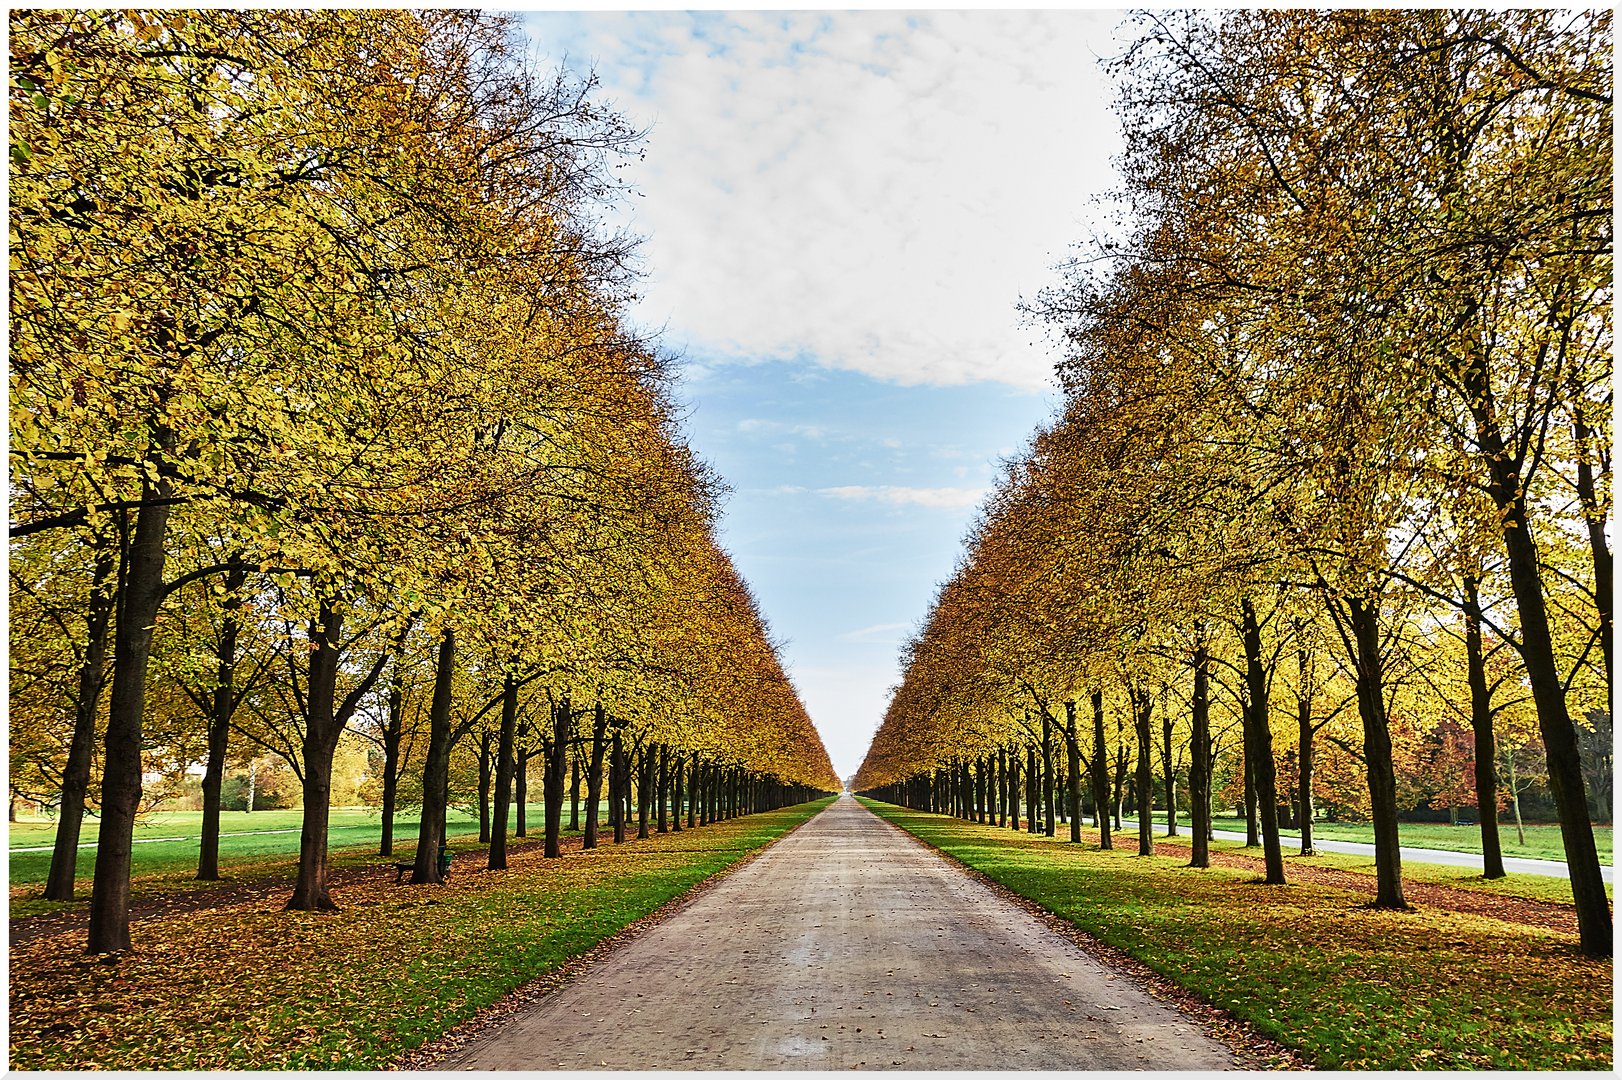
(248, 986)
(1311, 966)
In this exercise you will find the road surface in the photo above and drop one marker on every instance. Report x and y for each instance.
(847, 945)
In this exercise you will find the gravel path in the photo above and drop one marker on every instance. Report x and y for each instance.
(847, 945)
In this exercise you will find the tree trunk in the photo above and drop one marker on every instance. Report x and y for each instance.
(1142, 707)
(663, 799)
(1259, 746)
(393, 734)
(504, 773)
(310, 886)
(1008, 791)
(436, 771)
(1013, 789)
(485, 778)
(557, 763)
(1168, 765)
(1364, 616)
(1033, 791)
(1122, 760)
(1306, 757)
(695, 794)
(677, 793)
(1253, 828)
(692, 792)
(1542, 668)
(321, 729)
(982, 790)
(1101, 789)
(1048, 808)
(1486, 753)
(574, 791)
(219, 730)
(1072, 750)
(1599, 550)
(616, 787)
(1199, 761)
(140, 596)
(594, 774)
(82, 748)
(644, 790)
(521, 782)
(993, 793)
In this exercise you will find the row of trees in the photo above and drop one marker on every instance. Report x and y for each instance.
(1334, 459)
(323, 405)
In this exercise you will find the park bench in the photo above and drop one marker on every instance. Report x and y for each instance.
(403, 868)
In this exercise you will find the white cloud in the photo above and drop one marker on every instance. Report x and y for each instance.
(872, 190)
(752, 425)
(882, 633)
(953, 498)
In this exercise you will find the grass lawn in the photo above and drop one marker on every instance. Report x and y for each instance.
(252, 845)
(248, 986)
(1312, 966)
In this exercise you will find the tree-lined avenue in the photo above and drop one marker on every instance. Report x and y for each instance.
(350, 481)
(847, 944)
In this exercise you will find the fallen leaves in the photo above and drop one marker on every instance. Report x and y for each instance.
(1311, 965)
(247, 986)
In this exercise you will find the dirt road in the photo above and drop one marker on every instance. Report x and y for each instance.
(847, 945)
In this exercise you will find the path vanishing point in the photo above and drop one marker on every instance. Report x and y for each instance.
(847, 944)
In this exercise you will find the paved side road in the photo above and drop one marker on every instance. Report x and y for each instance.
(1436, 856)
(847, 945)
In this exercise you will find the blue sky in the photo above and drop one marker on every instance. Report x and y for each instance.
(841, 211)
(850, 498)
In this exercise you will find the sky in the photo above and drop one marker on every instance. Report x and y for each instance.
(840, 213)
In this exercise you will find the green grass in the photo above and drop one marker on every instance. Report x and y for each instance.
(1314, 967)
(249, 986)
(252, 845)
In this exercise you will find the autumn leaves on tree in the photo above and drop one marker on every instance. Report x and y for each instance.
(1333, 460)
(319, 370)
